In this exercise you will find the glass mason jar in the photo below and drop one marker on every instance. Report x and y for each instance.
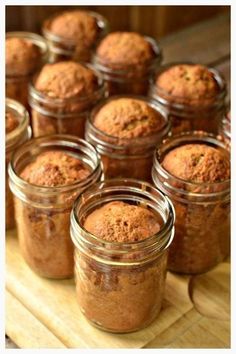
(62, 116)
(202, 227)
(122, 157)
(14, 139)
(225, 128)
(42, 212)
(129, 79)
(17, 85)
(196, 115)
(120, 286)
(62, 49)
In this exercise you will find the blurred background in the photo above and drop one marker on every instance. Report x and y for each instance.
(156, 21)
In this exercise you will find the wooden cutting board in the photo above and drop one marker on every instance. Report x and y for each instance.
(42, 313)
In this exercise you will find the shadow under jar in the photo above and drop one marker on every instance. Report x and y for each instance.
(120, 285)
(65, 110)
(202, 226)
(127, 157)
(17, 132)
(193, 94)
(73, 35)
(26, 53)
(125, 69)
(63, 166)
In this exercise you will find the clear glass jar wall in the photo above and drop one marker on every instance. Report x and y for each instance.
(129, 79)
(14, 139)
(62, 116)
(122, 157)
(42, 212)
(202, 227)
(120, 286)
(17, 84)
(185, 115)
(61, 49)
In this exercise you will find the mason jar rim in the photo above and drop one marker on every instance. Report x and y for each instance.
(13, 137)
(113, 141)
(188, 138)
(162, 238)
(157, 96)
(35, 38)
(101, 66)
(52, 141)
(43, 98)
(102, 24)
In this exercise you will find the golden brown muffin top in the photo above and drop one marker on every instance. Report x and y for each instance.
(197, 163)
(125, 48)
(191, 82)
(22, 57)
(128, 118)
(121, 222)
(11, 122)
(78, 26)
(66, 79)
(55, 168)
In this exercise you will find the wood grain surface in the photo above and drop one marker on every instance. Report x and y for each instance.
(53, 320)
(195, 310)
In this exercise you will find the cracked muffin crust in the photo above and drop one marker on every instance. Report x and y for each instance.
(198, 183)
(66, 80)
(55, 168)
(125, 131)
(197, 163)
(193, 93)
(122, 222)
(125, 48)
(62, 97)
(128, 118)
(192, 84)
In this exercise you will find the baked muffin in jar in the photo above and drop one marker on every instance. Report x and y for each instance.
(17, 131)
(62, 96)
(121, 230)
(127, 60)
(193, 169)
(46, 175)
(125, 131)
(73, 34)
(193, 94)
(25, 54)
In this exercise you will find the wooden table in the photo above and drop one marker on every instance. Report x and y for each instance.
(196, 309)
